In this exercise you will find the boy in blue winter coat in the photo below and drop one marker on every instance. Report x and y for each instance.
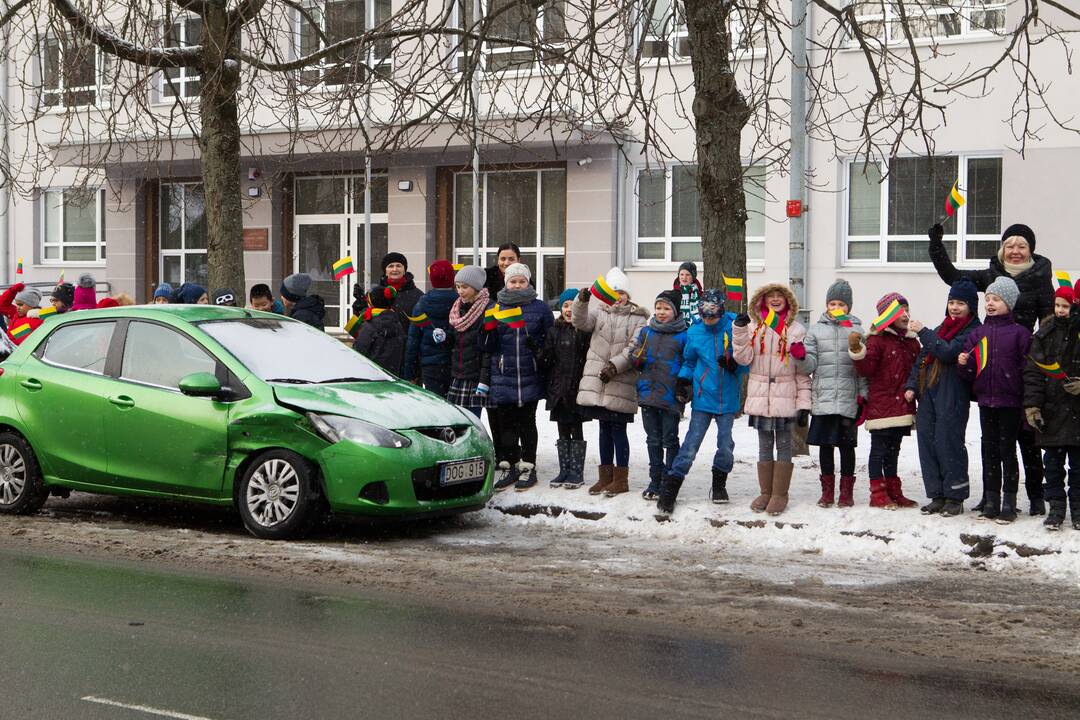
(427, 355)
(657, 353)
(710, 380)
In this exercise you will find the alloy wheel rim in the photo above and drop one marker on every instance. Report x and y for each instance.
(273, 492)
(12, 474)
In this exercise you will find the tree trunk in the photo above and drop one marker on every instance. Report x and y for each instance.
(720, 114)
(219, 142)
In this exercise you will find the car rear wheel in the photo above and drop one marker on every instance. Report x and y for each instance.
(22, 490)
(277, 498)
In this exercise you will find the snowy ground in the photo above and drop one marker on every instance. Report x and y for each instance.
(903, 540)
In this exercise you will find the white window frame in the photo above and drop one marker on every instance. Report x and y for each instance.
(99, 229)
(677, 32)
(98, 88)
(960, 237)
(458, 57)
(187, 76)
(372, 64)
(183, 251)
(963, 8)
(668, 239)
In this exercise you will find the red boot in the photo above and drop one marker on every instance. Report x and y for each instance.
(879, 495)
(892, 486)
(847, 491)
(828, 487)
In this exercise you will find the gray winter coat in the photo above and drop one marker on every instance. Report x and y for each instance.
(835, 385)
(612, 328)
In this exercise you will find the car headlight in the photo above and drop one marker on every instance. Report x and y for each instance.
(335, 428)
(477, 423)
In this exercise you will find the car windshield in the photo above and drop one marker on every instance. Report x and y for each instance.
(287, 351)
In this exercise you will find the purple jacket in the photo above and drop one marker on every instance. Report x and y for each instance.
(1001, 384)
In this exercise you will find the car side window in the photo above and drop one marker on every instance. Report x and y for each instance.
(82, 346)
(157, 355)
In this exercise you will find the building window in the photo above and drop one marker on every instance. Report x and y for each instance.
(529, 22)
(668, 223)
(323, 24)
(73, 226)
(71, 73)
(525, 207)
(183, 234)
(663, 32)
(934, 20)
(181, 82)
(887, 219)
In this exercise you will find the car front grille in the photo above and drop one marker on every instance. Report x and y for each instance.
(441, 433)
(425, 482)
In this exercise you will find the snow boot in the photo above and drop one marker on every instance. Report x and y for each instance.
(765, 483)
(1008, 509)
(605, 474)
(507, 475)
(1056, 517)
(1038, 506)
(653, 490)
(620, 482)
(847, 491)
(879, 495)
(669, 492)
(952, 508)
(575, 472)
(718, 494)
(991, 506)
(935, 506)
(526, 476)
(781, 483)
(828, 490)
(562, 448)
(982, 503)
(894, 486)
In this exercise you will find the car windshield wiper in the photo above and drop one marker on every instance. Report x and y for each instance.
(345, 380)
(291, 381)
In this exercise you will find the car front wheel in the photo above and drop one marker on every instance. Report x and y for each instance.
(277, 497)
(22, 490)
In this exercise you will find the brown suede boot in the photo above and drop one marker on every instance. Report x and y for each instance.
(765, 482)
(781, 482)
(620, 482)
(604, 481)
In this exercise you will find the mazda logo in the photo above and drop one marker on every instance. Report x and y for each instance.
(448, 435)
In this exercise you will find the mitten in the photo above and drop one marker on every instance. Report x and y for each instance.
(804, 418)
(728, 363)
(684, 390)
(608, 373)
(438, 335)
(742, 320)
(482, 390)
(798, 351)
(936, 232)
(854, 342)
(1034, 418)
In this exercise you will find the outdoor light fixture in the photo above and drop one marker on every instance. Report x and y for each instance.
(587, 160)
(404, 185)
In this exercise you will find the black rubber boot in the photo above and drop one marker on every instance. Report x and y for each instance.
(1056, 517)
(718, 494)
(562, 447)
(575, 472)
(669, 492)
(1008, 509)
(991, 506)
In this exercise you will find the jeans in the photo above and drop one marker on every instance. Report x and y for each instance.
(1054, 465)
(828, 464)
(436, 378)
(723, 460)
(781, 439)
(661, 438)
(1000, 431)
(614, 445)
(885, 452)
(517, 431)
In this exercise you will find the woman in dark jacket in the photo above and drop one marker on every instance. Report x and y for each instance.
(1033, 275)
(382, 338)
(467, 320)
(506, 255)
(427, 355)
(563, 362)
(395, 274)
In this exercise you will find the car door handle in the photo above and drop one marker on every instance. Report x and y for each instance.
(122, 401)
(31, 384)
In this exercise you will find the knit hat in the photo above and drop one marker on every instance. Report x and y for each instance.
(690, 268)
(441, 274)
(295, 287)
(567, 294)
(1065, 293)
(86, 280)
(381, 296)
(223, 296)
(711, 303)
(472, 275)
(107, 302)
(29, 296)
(617, 280)
(164, 290)
(672, 298)
(1023, 231)
(965, 291)
(839, 290)
(188, 294)
(887, 299)
(518, 270)
(1005, 288)
(65, 293)
(393, 257)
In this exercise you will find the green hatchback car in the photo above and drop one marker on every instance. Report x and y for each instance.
(229, 406)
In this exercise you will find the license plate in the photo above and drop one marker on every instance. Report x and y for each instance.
(464, 471)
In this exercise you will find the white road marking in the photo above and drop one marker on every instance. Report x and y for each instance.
(143, 709)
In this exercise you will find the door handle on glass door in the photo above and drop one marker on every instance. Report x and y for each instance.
(122, 401)
(31, 384)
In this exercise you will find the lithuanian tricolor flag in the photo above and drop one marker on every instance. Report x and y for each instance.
(734, 288)
(954, 201)
(981, 355)
(46, 312)
(420, 321)
(353, 326)
(842, 318)
(603, 292)
(343, 268)
(1063, 279)
(18, 267)
(22, 331)
(888, 317)
(490, 321)
(1052, 371)
(774, 321)
(61, 280)
(373, 312)
(511, 317)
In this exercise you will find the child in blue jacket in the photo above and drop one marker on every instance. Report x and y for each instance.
(710, 380)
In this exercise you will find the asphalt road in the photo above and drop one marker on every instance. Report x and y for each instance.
(84, 639)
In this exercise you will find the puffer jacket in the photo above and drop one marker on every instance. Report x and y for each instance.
(951, 393)
(776, 388)
(382, 340)
(11, 314)
(563, 362)
(716, 391)
(886, 359)
(1001, 383)
(423, 350)
(658, 356)
(466, 358)
(512, 371)
(835, 386)
(310, 310)
(612, 328)
(1058, 340)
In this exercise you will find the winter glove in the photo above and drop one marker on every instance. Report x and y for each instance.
(854, 342)
(936, 232)
(584, 295)
(798, 351)
(482, 390)
(608, 373)
(742, 320)
(684, 390)
(438, 335)
(1072, 386)
(18, 287)
(1035, 418)
(804, 418)
(728, 363)
(533, 344)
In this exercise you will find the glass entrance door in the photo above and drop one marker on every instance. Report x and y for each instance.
(318, 246)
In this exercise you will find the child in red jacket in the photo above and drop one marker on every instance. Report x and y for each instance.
(19, 304)
(886, 361)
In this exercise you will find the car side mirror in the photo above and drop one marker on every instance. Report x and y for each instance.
(200, 384)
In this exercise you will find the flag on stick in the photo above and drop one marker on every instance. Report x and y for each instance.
(1052, 371)
(61, 280)
(734, 288)
(954, 201)
(981, 355)
(1063, 279)
(842, 318)
(18, 267)
(603, 292)
(774, 321)
(490, 321)
(343, 268)
(888, 317)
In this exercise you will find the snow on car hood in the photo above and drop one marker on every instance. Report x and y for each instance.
(393, 405)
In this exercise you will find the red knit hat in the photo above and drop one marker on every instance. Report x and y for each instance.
(107, 302)
(441, 274)
(1066, 294)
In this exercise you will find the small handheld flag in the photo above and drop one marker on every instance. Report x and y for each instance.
(954, 201)
(18, 267)
(890, 315)
(842, 318)
(511, 317)
(353, 326)
(420, 321)
(22, 331)
(1052, 371)
(603, 292)
(774, 321)
(981, 355)
(61, 280)
(734, 288)
(1063, 279)
(343, 268)
(490, 321)
(47, 311)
